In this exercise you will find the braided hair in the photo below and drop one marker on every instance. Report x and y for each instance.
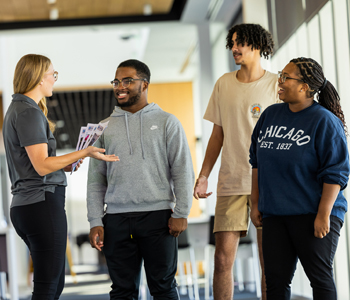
(254, 35)
(327, 96)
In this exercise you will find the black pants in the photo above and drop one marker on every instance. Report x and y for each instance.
(43, 227)
(128, 241)
(287, 238)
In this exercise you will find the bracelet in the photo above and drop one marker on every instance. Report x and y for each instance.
(203, 176)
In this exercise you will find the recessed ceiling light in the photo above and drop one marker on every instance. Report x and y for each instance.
(64, 137)
(126, 37)
(60, 123)
(53, 103)
(147, 9)
(54, 13)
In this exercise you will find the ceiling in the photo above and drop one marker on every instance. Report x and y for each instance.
(86, 56)
(24, 10)
(17, 14)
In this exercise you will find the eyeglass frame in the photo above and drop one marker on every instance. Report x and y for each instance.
(281, 76)
(129, 80)
(55, 75)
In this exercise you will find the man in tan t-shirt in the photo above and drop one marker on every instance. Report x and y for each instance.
(235, 105)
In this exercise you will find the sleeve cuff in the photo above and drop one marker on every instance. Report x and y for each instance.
(177, 215)
(95, 223)
(335, 180)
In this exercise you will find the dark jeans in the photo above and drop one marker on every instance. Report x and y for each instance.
(130, 239)
(289, 238)
(43, 227)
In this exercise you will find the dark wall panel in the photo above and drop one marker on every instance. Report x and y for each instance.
(289, 15)
(72, 109)
(313, 7)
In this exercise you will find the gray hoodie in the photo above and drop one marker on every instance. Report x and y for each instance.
(155, 170)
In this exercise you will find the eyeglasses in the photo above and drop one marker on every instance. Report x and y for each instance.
(125, 82)
(55, 75)
(283, 78)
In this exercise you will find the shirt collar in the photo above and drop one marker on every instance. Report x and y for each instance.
(21, 97)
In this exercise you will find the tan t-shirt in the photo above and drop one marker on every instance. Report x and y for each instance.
(236, 107)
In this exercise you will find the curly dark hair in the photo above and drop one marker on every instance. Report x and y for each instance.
(327, 96)
(254, 35)
(141, 68)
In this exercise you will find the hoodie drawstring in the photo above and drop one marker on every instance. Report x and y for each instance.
(127, 132)
(141, 133)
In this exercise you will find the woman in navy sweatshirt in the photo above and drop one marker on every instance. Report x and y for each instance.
(300, 164)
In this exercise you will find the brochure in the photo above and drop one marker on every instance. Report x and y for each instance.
(88, 136)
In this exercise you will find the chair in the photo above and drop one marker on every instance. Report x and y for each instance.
(80, 240)
(144, 293)
(3, 285)
(190, 278)
(68, 259)
(247, 249)
(209, 261)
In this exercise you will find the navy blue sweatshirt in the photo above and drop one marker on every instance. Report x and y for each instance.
(295, 153)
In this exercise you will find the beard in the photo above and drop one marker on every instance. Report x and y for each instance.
(132, 99)
(239, 62)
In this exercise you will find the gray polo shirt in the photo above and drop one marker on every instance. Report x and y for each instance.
(24, 125)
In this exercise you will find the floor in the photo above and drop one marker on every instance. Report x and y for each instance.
(99, 291)
(92, 284)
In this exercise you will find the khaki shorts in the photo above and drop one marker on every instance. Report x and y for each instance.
(232, 214)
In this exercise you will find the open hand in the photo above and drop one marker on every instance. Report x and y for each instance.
(200, 189)
(96, 153)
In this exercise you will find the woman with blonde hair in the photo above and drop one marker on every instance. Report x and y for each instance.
(37, 174)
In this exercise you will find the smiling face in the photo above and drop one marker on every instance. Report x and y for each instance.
(132, 96)
(48, 82)
(293, 89)
(243, 54)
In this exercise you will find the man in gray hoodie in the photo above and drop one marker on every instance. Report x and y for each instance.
(138, 207)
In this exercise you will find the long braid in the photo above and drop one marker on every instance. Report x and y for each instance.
(327, 96)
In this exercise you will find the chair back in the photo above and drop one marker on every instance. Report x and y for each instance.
(211, 231)
(243, 240)
(182, 240)
(249, 238)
